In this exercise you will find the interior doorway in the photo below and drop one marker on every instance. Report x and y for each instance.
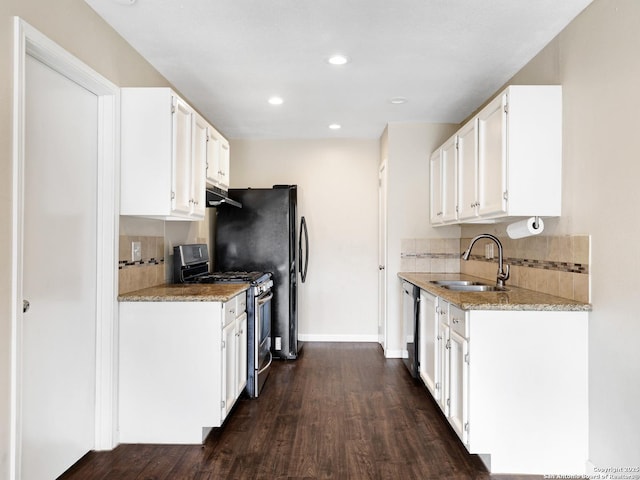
(64, 251)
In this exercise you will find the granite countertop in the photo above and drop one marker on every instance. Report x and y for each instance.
(219, 292)
(514, 298)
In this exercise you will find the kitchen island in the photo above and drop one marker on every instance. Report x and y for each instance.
(182, 360)
(508, 369)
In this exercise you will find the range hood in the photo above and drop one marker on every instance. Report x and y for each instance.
(217, 197)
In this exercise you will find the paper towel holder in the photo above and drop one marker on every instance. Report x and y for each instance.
(525, 228)
(536, 221)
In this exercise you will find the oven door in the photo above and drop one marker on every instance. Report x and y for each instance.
(262, 338)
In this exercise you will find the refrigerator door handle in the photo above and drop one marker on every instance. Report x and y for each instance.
(303, 265)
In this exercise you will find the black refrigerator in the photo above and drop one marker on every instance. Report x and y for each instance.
(263, 236)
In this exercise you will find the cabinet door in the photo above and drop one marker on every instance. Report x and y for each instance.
(213, 156)
(181, 159)
(449, 173)
(198, 166)
(442, 385)
(228, 368)
(436, 187)
(458, 383)
(225, 155)
(492, 158)
(468, 171)
(427, 348)
(241, 350)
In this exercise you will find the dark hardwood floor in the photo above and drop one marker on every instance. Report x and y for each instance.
(341, 411)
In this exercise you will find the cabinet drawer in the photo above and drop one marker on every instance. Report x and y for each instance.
(242, 304)
(229, 311)
(458, 321)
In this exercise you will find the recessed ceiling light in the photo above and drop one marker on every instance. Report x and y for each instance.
(398, 100)
(276, 101)
(338, 59)
(335, 126)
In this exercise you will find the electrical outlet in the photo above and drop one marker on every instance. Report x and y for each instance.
(136, 251)
(488, 251)
(278, 343)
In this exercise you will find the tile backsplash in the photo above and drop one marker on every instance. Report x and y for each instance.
(438, 255)
(147, 272)
(557, 265)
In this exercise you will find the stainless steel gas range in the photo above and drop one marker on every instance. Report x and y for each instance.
(191, 265)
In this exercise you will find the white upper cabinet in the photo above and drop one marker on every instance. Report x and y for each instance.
(199, 164)
(163, 161)
(449, 180)
(218, 154)
(435, 167)
(468, 171)
(444, 183)
(509, 157)
(492, 158)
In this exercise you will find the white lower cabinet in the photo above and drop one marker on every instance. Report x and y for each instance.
(428, 333)
(234, 360)
(512, 384)
(458, 354)
(442, 356)
(182, 366)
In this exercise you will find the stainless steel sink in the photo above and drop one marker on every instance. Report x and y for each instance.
(453, 282)
(478, 287)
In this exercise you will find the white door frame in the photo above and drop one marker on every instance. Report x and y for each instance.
(29, 41)
(382, 255)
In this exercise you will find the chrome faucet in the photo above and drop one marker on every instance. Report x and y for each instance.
(503, 270)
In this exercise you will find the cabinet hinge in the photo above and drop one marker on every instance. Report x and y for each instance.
(506, 108)
(448, 402)
(173, 195)
(505, 195)
(466, 427)
(437, 385)
(222, 404)
(466, 358)
(457, 143)
(224, 345)
(173, 109)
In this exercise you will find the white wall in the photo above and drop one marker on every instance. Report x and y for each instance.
(596, 60)
(338, 181)
(407, 148)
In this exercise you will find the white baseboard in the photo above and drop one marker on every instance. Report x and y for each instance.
(393, 353)
(338, 338)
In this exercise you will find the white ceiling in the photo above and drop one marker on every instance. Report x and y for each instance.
(227, 57)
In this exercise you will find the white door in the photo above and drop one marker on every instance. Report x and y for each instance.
(382, 255)
(59, 273)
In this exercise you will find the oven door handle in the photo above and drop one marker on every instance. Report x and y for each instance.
(267, 365)
(263, 300)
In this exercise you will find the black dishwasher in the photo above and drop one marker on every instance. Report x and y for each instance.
(410, 305)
